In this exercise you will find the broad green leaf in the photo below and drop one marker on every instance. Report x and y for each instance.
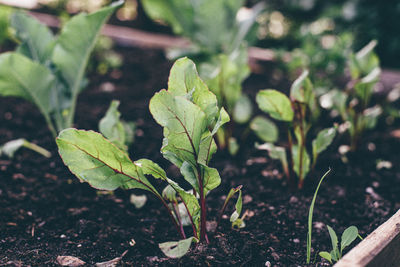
(184, 124)
(334, 239)
(114, 129)
(265, 129)
(348, 236)
(276, 104)
(95, 160)
(5, 14)
(296, 161)
(184, 81)
(322, 141)
(76, 42)
(21, 77)
(37, 40)
(149, 167)
(326, 255)
(301, 89)
(242, 110)
(222, 119)
(11, 147)
(176, 249)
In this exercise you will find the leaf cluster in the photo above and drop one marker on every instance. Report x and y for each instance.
(49, 70)
(190, 117)
(299, 113)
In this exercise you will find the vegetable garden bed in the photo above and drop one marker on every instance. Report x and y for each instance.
(45, 212)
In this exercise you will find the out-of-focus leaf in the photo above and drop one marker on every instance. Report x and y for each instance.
(37, 40)
(276, 104)
(242, 110)
(296, 161)
(138, 201)
(265, 129)
(322, 141)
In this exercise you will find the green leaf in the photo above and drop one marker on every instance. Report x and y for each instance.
(370, 116)
(37, 40)
(190, 175)
(95, 160)
(184, 81)
(326, 256)
(301, 89)
(211, 179)
(114, 129)
(21, 77)
(233, 146)
(322, 141)
(242, 110)
(276, 104)
(334, 239)
(176, 249)
(74, 46)
(296, 161)
(184, 124)
(265, 129)
(276, 152)
(348, 236)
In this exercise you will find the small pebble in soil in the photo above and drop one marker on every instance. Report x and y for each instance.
(371, 146)
(293, 200)
(375, 184)
(63, 236)
(267, 264)
(296, 240)
(247, 199)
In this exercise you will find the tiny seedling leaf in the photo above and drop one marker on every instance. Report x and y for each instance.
(242, 110)
(334, 240)
(326, 255)
(176, 249)
(322, 141)
(348, 236)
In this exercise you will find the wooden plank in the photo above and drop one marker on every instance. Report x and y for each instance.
(380, 248)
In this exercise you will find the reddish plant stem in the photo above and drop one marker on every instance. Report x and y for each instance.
(203, 210)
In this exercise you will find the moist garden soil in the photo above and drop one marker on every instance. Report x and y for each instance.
(46, 212)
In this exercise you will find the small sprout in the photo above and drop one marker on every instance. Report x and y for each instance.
(11, 147)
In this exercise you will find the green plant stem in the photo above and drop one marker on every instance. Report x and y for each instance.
(290, 143)
(302, 147)
(203, 210)
(37, 149)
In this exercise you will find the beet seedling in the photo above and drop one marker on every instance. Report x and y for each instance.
(190, 117)
(348, 237)
(299, 113)
(49, 70)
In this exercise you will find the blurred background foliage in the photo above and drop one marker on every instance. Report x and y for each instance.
(324, 29)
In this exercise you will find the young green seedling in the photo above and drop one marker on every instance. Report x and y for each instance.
(117, 131)
(353, 104)
(190, 117)
(219, 32)
(348, 237)
(299, 113)
(49, 70)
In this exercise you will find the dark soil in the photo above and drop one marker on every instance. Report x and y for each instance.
(45, 212)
